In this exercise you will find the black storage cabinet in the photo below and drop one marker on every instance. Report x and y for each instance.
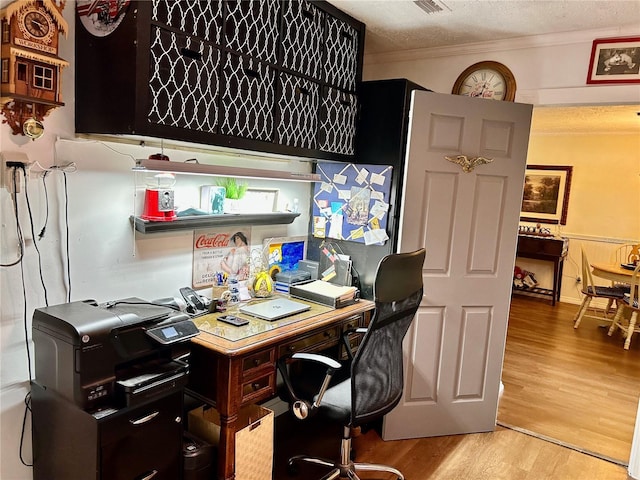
(70, 443)
(265, 75)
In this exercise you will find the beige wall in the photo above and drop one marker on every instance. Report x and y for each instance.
(604, 202)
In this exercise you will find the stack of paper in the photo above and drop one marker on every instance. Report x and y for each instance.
(325, 293)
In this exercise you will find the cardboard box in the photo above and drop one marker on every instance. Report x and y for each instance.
(254, 438)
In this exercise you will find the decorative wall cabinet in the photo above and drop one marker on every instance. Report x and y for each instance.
(265, 75)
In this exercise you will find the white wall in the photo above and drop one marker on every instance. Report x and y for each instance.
(107, 259)
(551, 70)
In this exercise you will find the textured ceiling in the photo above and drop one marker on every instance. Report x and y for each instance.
(399, 25)
(607, 119)
(394, 25)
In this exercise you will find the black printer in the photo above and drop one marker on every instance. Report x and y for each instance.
(116, 354)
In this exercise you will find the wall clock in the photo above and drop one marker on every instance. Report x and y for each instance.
(487, 79)
(31, 70)
(37, 28)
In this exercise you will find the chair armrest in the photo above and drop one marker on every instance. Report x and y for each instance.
(345, 339)
(300, 407)
(316, 357)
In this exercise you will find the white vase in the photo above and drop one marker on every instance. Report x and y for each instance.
(232, 205)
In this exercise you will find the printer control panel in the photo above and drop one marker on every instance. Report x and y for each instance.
(174, 332)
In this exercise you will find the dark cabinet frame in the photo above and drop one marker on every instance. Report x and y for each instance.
(115, 75)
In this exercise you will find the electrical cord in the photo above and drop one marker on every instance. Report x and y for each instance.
(33, 235)
(18, 228)
(27, 408)
(66, 221)
(124, 302)
(46, 204)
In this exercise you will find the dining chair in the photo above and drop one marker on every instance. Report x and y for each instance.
(627, 253)
(628, 303)
(590, 291)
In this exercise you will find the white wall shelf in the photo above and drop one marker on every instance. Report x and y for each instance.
(224, 171)
(205, 221)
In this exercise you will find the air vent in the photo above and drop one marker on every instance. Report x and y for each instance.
(431, 6)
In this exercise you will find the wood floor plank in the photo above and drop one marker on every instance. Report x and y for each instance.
(577, 385)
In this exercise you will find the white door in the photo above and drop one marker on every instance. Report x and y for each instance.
(468, 223)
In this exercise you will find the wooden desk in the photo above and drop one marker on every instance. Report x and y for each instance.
(551, 249)
(230, 374)
(612, 272)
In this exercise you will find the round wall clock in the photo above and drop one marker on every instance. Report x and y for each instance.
(36, 25)
(486, 79)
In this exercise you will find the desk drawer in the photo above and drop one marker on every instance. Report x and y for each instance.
(352, 323)
(317, 341)
(258, 388)
(257, 362)
(542, 246)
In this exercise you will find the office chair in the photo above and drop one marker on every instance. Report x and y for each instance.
(374, 386)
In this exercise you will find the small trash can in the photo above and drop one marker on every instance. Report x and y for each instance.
(198, 456)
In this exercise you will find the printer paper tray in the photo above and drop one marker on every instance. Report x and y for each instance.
(162, 380)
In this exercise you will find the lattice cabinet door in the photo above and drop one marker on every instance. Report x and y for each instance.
(341, 55)
(338, 111)
(183, 81)
(248, 98)
(199, 18)
(251, 28)
(298, 105)
(302, 37)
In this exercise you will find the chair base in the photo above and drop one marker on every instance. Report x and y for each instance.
(345, 468)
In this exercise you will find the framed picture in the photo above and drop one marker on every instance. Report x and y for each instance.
(546, 194)
(615, 60)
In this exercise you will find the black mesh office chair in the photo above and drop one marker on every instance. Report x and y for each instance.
(375, 384)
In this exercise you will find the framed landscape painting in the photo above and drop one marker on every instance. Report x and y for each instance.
(546, 194)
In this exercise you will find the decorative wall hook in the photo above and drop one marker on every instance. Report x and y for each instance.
(468, 164)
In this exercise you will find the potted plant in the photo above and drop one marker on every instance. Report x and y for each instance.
(235, 190)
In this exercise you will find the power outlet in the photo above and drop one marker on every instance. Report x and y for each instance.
(7, 169)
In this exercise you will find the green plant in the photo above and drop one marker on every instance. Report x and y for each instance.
(234, 190)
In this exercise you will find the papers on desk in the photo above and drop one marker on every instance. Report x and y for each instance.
(325, 293)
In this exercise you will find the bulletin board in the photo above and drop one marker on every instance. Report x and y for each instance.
(351, 202)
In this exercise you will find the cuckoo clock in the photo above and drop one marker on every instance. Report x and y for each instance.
(31, 67)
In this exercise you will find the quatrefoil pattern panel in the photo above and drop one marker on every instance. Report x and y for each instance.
(200, 18)
(341, 64)
(338, 122)
(251, 28)
(183, 82)
(248, 98)
(303, 29)
(298, 104)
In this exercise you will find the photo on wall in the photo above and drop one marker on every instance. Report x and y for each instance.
(545, 197)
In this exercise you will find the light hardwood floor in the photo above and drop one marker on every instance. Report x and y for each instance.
(579, 387)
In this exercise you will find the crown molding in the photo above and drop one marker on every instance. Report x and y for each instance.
(533, 41)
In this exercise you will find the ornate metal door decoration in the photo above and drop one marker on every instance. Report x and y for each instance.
(468, 163)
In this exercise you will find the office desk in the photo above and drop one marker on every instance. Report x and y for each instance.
(230, 374)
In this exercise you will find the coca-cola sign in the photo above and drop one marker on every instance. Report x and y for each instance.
(217, 240)
(219, 253)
